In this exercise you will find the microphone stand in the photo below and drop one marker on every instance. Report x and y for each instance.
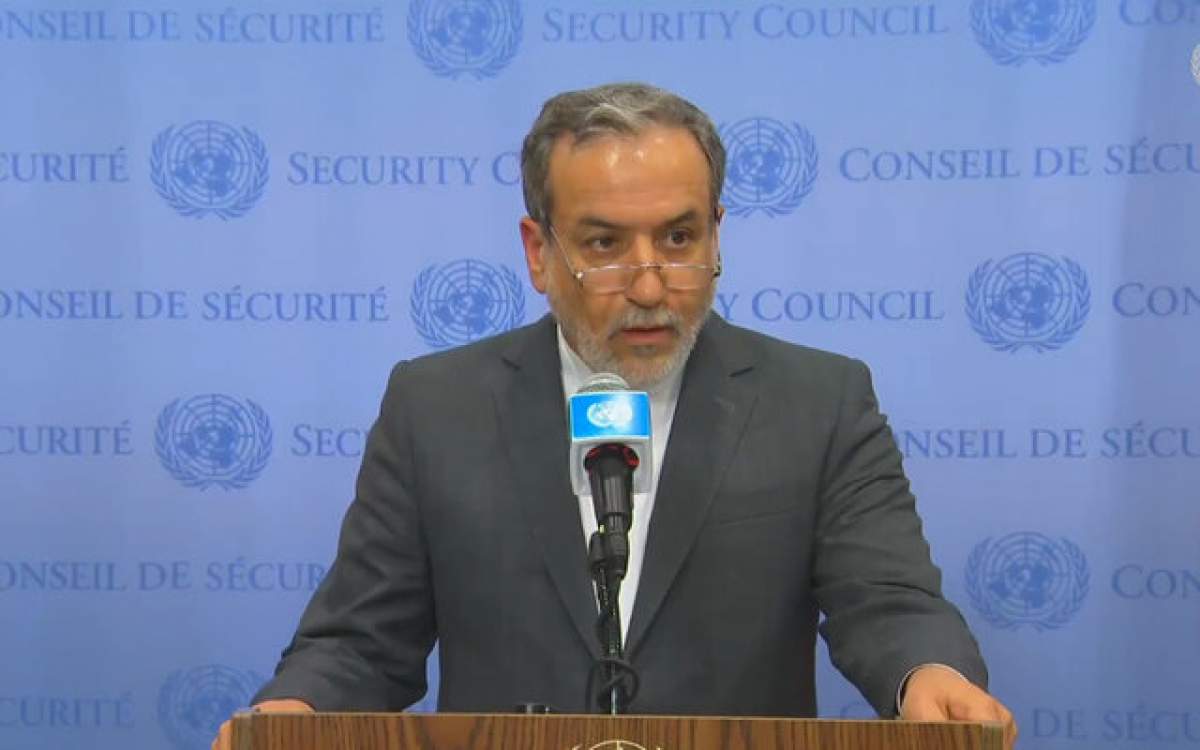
(610, 470)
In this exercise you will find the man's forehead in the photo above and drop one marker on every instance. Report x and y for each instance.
(652, 137)
(628, 178)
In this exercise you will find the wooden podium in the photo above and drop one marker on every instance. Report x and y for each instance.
(347, 731)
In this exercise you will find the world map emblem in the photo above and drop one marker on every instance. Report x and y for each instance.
(610, 414)
(465, 300)
(207, 167)
(1196, 64)
(1027, 578)
(473, 37)
(213, 440)
(770, 166)
(193, 703)
(1028, 300)
(1016, 31)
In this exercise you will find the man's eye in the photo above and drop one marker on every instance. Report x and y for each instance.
(679, 238)
(601, 244)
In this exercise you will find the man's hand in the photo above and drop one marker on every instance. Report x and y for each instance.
(938, 694)
(286, 706)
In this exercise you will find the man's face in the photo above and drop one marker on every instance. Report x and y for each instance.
(626, 200)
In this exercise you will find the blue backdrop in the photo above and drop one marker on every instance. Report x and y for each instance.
(220, 225)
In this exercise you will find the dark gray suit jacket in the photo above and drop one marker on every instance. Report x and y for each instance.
(781, 495)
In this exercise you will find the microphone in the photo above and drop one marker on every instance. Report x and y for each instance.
(610, 454)
(610, 467)
(604, 410)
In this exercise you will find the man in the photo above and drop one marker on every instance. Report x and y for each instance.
(780, 492)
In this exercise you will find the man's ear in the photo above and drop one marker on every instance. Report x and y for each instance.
(534, 240)
(717, 228)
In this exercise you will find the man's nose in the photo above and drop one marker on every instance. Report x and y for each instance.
(647, 288)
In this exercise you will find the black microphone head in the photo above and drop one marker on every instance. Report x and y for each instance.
(603, 381)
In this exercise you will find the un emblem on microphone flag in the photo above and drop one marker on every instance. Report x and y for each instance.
(610, 414)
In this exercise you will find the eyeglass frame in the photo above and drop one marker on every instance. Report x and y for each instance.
(581, 274)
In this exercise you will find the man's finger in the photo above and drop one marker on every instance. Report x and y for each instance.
(917, 708)
(1010, 725)
(986, 709)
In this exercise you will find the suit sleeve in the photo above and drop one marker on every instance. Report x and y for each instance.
(873, 576)
(363, 641)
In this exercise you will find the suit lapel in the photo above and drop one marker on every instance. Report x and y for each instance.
(532, 416)
(713, 408)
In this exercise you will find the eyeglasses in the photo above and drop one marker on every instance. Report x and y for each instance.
(678, 277)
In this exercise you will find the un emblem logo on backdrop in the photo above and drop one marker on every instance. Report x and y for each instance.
(213, 440)
(208, 167)
(770, 166)
(192, 704)
(452, 37)
(465, 300)
(1049, 31)
(1028, 300)
(1196, 64)
(1027, 578)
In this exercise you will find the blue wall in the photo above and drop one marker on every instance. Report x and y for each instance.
(220, 226)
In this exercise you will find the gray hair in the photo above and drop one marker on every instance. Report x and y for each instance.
(611, 109)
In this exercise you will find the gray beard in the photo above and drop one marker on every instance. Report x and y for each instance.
(596, 354)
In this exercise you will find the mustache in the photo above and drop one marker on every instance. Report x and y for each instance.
(660, 317)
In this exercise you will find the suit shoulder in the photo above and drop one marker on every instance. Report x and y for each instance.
(461, 366)
(790, 358)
